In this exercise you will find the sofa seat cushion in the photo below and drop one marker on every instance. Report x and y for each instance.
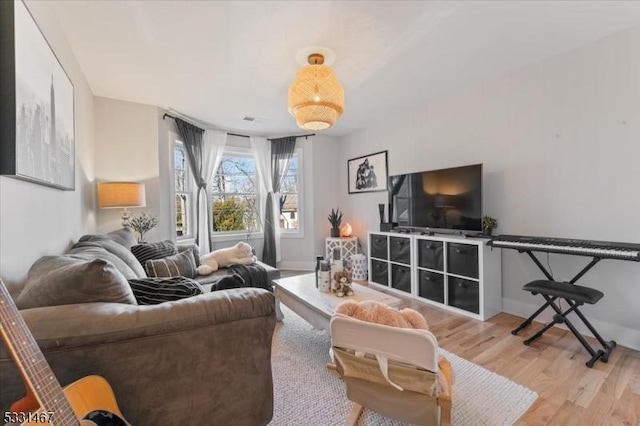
(64, 280)
(151, 291)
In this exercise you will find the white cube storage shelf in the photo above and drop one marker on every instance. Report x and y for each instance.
(460, 274)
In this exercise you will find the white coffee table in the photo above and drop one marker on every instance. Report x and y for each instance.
(300, 295)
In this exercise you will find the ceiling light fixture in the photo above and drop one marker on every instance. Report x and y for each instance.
(316, 98)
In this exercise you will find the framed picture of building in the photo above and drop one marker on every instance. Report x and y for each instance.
(37, 136)
(368, 173)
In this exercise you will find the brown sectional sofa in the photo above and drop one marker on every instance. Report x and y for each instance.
(203, 360)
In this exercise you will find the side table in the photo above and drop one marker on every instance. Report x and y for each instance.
(348, 246)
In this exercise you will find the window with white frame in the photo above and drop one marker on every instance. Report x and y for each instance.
(234, 193)
(183, 191)
(291, 196)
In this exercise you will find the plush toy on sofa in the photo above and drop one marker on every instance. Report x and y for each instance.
(342, 283)
(372, 311)
(240, 254)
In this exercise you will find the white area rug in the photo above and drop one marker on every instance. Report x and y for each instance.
(306, 393)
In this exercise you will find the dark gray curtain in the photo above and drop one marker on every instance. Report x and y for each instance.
(192, 138)
(281, 152)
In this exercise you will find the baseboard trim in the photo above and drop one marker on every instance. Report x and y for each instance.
(623, 336)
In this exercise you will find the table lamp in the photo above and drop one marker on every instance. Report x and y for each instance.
(114, 195)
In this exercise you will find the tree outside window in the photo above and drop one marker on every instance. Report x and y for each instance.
(289, 196)
(234, 196)
(182, 182)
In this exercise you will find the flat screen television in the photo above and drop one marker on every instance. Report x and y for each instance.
(447, 199)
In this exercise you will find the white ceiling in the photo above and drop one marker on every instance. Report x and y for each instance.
(218, 61)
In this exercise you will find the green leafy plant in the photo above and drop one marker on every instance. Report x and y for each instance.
(335, 218)
(489, 224)
(142, 224)
(229, 215)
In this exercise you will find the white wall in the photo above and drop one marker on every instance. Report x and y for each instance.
(36, 220)
(127, 141)
(321, 193)
(560, 144)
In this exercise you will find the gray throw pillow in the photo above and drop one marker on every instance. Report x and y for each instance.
(181, 264)
(151, 291)
(150, 251)
(65, 280)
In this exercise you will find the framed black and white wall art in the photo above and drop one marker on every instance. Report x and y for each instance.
(37, 138)
(368, 173)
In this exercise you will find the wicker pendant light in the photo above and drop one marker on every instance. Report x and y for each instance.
(316, 98)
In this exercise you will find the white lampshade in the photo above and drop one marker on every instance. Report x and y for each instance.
(121, 195)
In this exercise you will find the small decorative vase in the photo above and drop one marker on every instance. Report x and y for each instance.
(335, 232)
(488, 232)
(381, 212)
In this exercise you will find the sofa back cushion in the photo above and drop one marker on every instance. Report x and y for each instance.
(91, 251)
(123, 236)
(123, 255)
(64, 280)
(181, 264)
(194, 248)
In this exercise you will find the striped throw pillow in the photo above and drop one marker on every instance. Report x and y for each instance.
(181, 264)
(151, 291)
(148, 251)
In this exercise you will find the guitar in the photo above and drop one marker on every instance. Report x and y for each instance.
(88, 401)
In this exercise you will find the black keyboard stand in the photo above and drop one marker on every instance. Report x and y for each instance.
(561, 317)
(546, 273)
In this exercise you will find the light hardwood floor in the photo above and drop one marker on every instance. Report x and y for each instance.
(569, 393)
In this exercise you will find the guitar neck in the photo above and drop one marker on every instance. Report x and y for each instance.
(31, 362)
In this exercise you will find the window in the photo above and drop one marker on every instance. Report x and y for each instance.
(182, 183)
(290, 196)
(234, 193)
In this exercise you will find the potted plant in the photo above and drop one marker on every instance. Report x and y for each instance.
(143, 224)
(489, 224)
(335, 219)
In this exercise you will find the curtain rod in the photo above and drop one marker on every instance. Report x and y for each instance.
(297, 136)
(171, 116)
(239, 135)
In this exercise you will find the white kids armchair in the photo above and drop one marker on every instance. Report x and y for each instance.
(396, 372)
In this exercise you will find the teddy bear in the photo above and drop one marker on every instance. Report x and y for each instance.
(372, 311)
(342, 283)
(240, 254)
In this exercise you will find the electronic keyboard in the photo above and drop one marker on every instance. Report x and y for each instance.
(600, 249)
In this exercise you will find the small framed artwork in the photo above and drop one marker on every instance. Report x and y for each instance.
(368, 173)
(37, 134)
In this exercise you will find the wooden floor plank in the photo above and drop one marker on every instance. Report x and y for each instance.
(553, 366)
